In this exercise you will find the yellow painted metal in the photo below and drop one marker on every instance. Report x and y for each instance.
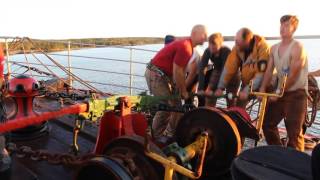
(262, 111)
(264, 97)
(170, 164)
(196, 147)
(169, 170)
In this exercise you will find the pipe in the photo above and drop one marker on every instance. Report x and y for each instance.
(36, 119)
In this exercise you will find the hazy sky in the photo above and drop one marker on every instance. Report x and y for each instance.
(53, 19)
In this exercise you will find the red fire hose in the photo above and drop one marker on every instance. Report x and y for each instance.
(36, 119)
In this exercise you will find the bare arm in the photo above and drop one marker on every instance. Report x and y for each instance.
(179, 79)
(268, 74)
(315, 73)
(192, 74)
(298, 60)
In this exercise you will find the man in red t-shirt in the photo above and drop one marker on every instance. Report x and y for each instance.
(165, 76)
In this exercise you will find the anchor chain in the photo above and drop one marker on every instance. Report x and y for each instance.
(70, 160)
(50, 157)
(72, 96)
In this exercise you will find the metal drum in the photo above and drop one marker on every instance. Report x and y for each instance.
(272, 162)
(102, 168)
(129, 151)
(224, 142)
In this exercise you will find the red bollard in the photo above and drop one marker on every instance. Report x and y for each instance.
(23, 89)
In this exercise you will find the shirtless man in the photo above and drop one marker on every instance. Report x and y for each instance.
(287, 57)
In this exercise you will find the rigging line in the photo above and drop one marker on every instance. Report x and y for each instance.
(13, 43)
(15, 70)
(55, 75)
(100, 58)
(31, 68)
(60, 78)
(99, 83)
(57, 64)
(68, 72)
(24, 52)
(71, 74)
(86, 69)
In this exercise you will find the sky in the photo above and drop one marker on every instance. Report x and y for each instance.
(63, 19)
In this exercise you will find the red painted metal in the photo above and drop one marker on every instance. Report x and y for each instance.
(23, 89)
(139, 123)
(113, 125)
(126, 118)
(36, 119)
(23, 86)
(242, 112)
(109, 129)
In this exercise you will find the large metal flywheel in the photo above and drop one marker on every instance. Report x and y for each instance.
(224, 142)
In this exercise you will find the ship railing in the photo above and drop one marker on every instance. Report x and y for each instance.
(70, 58)
(130, 89)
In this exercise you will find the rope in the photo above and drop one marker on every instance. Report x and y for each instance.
(24, 52)
(20, 41)
(100, 83)
(31, 68)
(71, 74)
(14, 43)
(100, 58)
(68, 72)
(86, 69)
(55, 75)
(15, 70)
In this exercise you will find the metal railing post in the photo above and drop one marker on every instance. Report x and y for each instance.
(8, 59)
(131, 69)
(69, 63)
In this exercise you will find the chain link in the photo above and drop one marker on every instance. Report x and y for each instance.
(72, 96)
(70, 160)
(51, 158)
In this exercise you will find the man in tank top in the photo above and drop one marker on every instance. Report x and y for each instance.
(287, 58)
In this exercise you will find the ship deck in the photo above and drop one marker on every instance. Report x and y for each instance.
(58, 140)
